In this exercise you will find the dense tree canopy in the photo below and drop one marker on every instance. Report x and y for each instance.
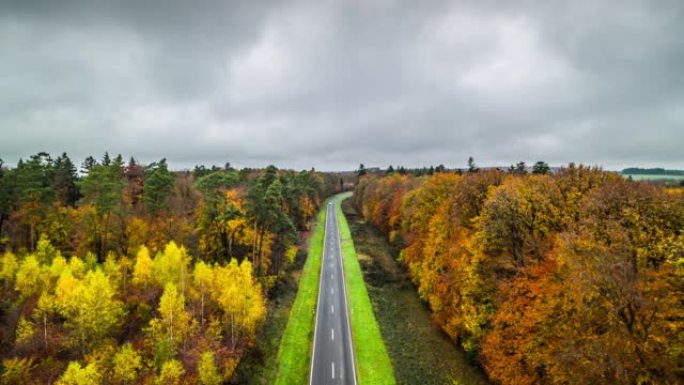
(574, 277)
(132, 273)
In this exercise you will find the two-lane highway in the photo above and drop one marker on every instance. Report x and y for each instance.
(332, 360)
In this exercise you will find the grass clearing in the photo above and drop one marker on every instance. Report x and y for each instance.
(420, 352)
(294, 355)
(373, 365)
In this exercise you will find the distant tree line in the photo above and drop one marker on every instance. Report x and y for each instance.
(651, 171)
(540, 167)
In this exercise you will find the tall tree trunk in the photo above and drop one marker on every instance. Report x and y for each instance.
(171, 327)
(125, 274)
(254, 242)
(45, 335)
(230, 244)
(225, 244)
(232, 331)
(202, 308)
(261, 250)
(279, 255)
(182, 283)
(32, 240)
(104, 238)
(123, 244)
(82, 332)
(2, 222)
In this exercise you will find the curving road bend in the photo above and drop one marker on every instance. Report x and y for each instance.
(332, 359)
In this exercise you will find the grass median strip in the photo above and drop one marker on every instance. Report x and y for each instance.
(294, 356)
(373, 365)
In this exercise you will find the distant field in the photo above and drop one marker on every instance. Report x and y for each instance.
(654, 177)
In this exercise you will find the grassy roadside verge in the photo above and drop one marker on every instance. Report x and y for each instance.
(420, 352)
(294, 355)
(373, 365)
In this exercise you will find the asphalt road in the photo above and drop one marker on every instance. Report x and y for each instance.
(332, 361)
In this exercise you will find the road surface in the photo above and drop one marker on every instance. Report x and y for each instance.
(332, 360)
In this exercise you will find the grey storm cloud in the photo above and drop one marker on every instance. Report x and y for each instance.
(331, 84)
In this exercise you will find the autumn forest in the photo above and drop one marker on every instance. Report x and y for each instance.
(119, 272)
(570, 278)
(125, 273)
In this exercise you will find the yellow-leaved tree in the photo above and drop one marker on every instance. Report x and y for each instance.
(44, 311)
(174, 317)
(170, 373)
(59, 263)
(29, 279)
(17, 370)
(77, 375)
(89, 306)
(207, 371)
(171, 266)
(142, 272)
(203, 278)
(78, 267)
(8, 267)
(112, 269)
(127, 363)
(169, 330)
(240, 298)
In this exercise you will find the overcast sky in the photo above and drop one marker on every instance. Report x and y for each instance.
(331, 84)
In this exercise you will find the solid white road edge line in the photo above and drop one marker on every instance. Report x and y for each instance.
(320, 283)
(346, 302)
